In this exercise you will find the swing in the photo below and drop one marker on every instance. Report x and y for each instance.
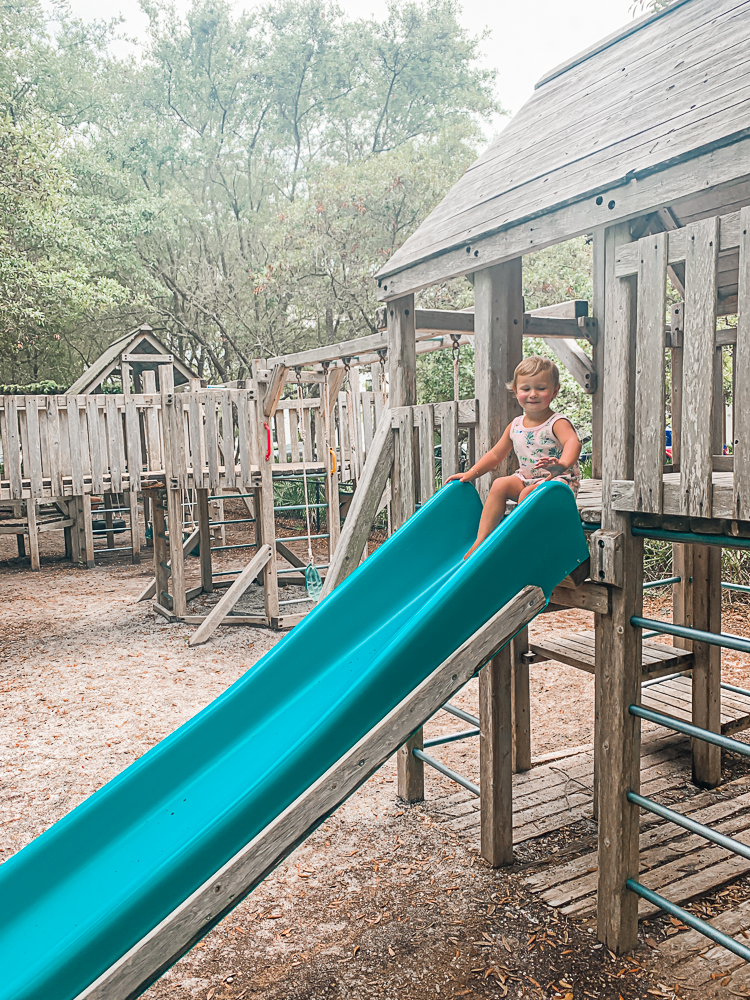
(313, 580)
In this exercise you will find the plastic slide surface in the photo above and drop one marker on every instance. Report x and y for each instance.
(87, 890)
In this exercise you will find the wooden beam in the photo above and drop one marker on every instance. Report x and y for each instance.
(235, 592)
(402, 361)
(204, 908)
(274, 390)
(618, 645)
(706, 687)
(188, 546)
(364, 506)
(741, 409)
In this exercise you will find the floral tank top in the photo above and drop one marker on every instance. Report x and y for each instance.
(532, 443)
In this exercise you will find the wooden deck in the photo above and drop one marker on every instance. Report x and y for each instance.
(698, 962)
(577, 649)
(556, 795)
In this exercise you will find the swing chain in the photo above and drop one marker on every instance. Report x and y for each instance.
(456, 352)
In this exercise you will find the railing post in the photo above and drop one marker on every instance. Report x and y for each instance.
(618, 644)
(706, 615)
(498, 347)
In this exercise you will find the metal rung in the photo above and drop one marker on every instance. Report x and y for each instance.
(453, 775)
(301, 569)
(226, 572)
(239, 520)
(669, 722)
(662, 583)
(734, 690)
(299, 538)
(297, 600)
(690, 824)
(233, 496)
(460, 714)
(452, 738)
(661, 535)
(244, 545)
(698, 635)
(110, 510)
(739, 587)
(301, 506)
(117, 548)
(689, 919)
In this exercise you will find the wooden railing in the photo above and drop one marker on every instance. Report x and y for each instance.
(704, 482)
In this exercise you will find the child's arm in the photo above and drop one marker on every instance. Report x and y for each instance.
(566, 435)
(487, 462)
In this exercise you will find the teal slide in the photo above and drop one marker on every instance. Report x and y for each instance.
(97, 883)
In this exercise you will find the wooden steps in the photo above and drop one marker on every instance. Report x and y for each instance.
(674, 697)
(576, 649)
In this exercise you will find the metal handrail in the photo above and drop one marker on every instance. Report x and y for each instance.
(669, 722)
(722, 639)
(460, 714)
(451, 738)
(453, 775)
(728, 843)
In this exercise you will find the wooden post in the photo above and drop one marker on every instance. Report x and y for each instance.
(496, 759)
(135, 530)
(498, 347)
(176, 556)
(521, 703)
(204, 527)
(161, 569)
(618, 644)
(682, 592)
(597, 355)
(109, 520)
(402, 391)
(33, 533)
(265, 521)
(327, 404)
(706, 593)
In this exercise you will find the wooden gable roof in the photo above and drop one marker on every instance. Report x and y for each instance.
(595, 143)
(139, 341)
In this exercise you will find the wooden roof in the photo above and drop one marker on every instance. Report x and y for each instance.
(138, 341)
(595, 143)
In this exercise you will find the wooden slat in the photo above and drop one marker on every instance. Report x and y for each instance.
(702, 250)
(33, 461)
(449, 440)
(741, 395)
(227, 437)
(151, 419)
(307, 444)
(53, 440)
(423, 420)
(115, 443)
(278, 423)
(74, 442)
(195, 429)
(98, 468)
(403, 476)
(243, 439)
(294, 435)
(133, 431)
(649, 381)
(212, 442)
(12, 448)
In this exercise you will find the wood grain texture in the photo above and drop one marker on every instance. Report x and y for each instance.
(649, 366)
(219, 612)
(402, 358)
(702, 251)
(176, 934)
(498, 348)
(741, 430)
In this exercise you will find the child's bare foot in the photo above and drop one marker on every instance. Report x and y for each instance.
(472, 549)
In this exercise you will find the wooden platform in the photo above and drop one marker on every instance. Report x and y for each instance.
(577, 650)
(553, 796)
(698, 962)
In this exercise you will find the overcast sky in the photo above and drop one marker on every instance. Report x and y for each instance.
(528, 36)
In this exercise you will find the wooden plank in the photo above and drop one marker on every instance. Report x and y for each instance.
(522, 760)
(274, 390)
(33, 533)
(243, 438)
(212, 442)
(98, 468)
(33, 460)
(53, 442)
(176, 933)
(589, 597)
(449, 456)
(278, 424)
(730, 236)
(403, 503)
(227, 438)
(12, 447)
(741, 408)
(706, 592)
(114, 442)
(176, 552)
(151, 417)
(195, 436)
(134, 452)
(235, 592)
(618, 644)
(423, 420)
(402, 359)
(498, 347)
(306, 429)
(577, 362)
(649, 381)
(332, 352)
(702, 249)
(187, 546)
(364, 505)
(265, 521)
(74, 441)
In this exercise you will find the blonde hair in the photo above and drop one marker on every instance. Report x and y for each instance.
(535, 366)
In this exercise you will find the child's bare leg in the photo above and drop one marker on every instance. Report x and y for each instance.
(529, 489)
(503, 489)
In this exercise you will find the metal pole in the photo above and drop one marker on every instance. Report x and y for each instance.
(722, 639)
(724, 541)
(453, 775)
(669, 722)
(690, 824)
(452, 738)
(460, 714)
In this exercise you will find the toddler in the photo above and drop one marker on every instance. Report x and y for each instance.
(546, 445)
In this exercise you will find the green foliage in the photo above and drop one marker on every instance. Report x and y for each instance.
(45, 388)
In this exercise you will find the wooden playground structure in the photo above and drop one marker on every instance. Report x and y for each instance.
(665, 192)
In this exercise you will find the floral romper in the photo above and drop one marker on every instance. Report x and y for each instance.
(532, 443)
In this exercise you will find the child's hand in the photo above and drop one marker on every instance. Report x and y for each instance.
(551, 466)
(462, 477)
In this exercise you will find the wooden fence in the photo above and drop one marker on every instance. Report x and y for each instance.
(680, 369)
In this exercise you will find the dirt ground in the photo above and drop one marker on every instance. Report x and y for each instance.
(382, 900)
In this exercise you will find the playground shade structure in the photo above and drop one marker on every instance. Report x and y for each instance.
(86, 891)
